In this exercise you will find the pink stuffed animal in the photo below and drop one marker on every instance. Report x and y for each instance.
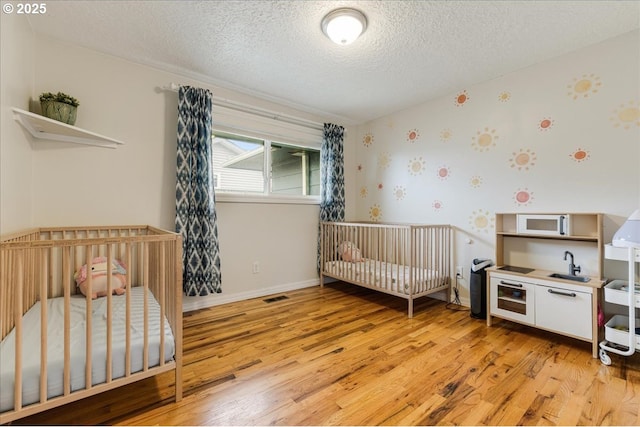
(99, 277)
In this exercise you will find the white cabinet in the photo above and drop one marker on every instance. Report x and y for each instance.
(565, 311)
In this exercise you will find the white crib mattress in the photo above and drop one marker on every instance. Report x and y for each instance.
(380, 274)
(55, 345)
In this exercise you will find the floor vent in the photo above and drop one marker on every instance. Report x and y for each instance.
(278, 298)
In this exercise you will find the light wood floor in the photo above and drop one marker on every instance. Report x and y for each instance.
(344, 355)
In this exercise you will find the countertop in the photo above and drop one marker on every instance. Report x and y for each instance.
(595, 282)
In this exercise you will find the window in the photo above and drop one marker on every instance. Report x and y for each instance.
(253, 166)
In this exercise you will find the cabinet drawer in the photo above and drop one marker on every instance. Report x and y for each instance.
(512, 299)
(564, 311)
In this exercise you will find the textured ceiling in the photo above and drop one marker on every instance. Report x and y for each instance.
(411, 52)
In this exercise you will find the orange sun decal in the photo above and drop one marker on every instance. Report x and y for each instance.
(627, 115)
(380, 186)
(399, 192)
(412, 135)
(484, 140)
(437, 205)
(475, 181)
(445, 135)
(523, 159)
(545, 124)
(481, 220)
(444, 173)
(367, 140)
(384, 159)
(580, 155)
(375, 213)
(462, 98)
(364, 192)
(504, 96)
(523, 197)
(582, 87)
(416, 166)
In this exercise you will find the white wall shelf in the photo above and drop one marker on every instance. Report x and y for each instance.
(45, 128)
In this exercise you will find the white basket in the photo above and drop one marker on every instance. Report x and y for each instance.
(617, 293)
(620, 336)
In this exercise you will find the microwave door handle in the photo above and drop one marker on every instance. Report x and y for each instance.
(562, 219)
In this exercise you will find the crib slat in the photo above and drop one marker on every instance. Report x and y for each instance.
(17, 268)
(43, 335)
(162, 300)
(127, 356)
(109, 361)
(89, 318)
(66, 281)
(145, 282)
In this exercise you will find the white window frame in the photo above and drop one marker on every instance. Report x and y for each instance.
(269, 130)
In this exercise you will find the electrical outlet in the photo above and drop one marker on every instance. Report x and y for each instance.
(459, 271)
(256, 267)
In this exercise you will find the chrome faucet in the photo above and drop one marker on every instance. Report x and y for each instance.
(573, 269)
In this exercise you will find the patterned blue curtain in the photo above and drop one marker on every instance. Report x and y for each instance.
(332, 203)
(195, 199)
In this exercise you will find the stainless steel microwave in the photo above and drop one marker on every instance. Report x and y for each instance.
(545, 225)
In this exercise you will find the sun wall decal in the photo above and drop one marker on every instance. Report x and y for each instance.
(375, 213)
(399, 192)
(545, 124)
(384, 159)
(443, 173)
(523, 159)
(626, 115)
(367, 140)
(481, 220)
(582, 87)
(359, 168)
(523, 197)
(475, 181)
(484, 139)
(445, 135)
(364, 192)
(380, 186)
(462, 98)
(504, 96)
(437, 205)
(413, 135)
(580, 155)
(416, 166)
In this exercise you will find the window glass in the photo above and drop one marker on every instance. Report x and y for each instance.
(295, 170)
(238, 163)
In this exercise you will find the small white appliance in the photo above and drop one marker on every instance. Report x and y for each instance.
(629, 234)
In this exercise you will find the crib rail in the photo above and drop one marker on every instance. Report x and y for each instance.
(40, 264)
(407, 260)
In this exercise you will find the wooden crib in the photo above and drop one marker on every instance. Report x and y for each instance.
(92, 345)
(408, 261)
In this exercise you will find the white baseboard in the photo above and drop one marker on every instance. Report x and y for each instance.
(197, 303)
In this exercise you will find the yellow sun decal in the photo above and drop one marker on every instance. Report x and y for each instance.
(364, 192)
(475, 181)
(416, 166)
(580, 155)
(437, 205)
(582, 87)
(481, 220)
(484, 140)
(413, 135)
(399, 192)
(443, 172)
(627, 115)
(384, 159)
(375, 213)
(367, 140)
(504, 96)
(462, 98)
(523, 197)
(545, 124)
(523, 159)
(445, 135)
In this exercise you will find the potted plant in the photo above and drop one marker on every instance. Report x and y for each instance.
(59, 106)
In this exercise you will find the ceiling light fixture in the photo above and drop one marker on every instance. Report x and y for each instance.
(344, 26)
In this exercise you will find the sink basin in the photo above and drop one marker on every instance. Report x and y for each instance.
(570, 277)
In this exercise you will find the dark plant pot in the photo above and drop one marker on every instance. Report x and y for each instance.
(59, 111)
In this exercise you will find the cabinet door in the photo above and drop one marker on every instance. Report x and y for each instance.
(564, 311)
(512, 299)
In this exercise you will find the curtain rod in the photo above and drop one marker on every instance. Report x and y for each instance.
(244, 108)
